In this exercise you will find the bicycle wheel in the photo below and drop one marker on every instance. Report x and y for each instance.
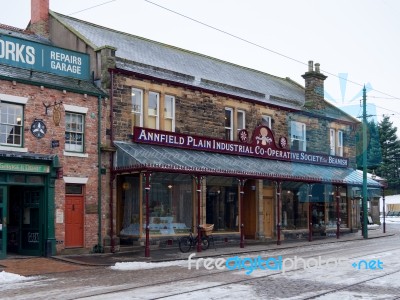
(185, 243)
(205, 242)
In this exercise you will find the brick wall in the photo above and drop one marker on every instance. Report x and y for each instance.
(72, 166)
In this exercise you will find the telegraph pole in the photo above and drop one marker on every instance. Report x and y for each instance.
(364, 149)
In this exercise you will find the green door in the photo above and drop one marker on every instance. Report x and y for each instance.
(3, 221)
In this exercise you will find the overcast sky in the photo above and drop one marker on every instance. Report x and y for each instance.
(357, 40)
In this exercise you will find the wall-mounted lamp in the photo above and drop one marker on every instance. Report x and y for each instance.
(170, 186)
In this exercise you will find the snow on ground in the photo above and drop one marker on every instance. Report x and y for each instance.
(6, 277)
(129, 266)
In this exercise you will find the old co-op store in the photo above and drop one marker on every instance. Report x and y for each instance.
(48, 185)
(249, 190)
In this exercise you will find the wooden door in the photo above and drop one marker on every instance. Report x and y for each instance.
(249, 210)
(268, 217)
(74, 221)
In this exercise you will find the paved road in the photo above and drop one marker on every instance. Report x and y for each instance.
(362, 269)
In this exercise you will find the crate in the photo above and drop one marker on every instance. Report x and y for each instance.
(207, 229)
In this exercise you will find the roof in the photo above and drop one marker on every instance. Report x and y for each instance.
(140, 157)
(144, 56)
(40, 78)
(49, 80)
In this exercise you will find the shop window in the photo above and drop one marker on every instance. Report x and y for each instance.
(74, 132)
(11, 125)
(294, 207)
(169, 113)
(170, 205)
(266, 121)
(222, 206)
(229, 123)
(298, 136)
(153, 110)
(137, 107)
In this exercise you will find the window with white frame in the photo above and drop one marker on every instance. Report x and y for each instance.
(241, 120)
(266, 121)
(74, 132)
(153, 110)
(11, 116)
(336, 142)
(332, 141)
(298, 136)
(169, 113)
(137, 107)
(339, 143)
(229, 123)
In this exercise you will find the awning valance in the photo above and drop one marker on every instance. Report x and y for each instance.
(139, 157)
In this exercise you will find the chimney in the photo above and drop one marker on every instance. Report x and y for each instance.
(314, 86)
(40, 17)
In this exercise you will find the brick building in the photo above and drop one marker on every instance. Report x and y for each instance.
(50, 125)
(193, 139)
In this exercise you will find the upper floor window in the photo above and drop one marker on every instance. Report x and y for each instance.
(74, 131)
(169, 113)
(336, 142)
(137, 107)
(266, 121)
(229, 123)
(241, 120)
(11, 116)
(153, 110)
(332, 141)
(298, 136)
(340, 143)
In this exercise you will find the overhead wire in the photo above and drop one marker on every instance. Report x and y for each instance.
(262, 47)
(248, 42)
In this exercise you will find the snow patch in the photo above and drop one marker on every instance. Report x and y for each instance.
(128, 266)
(6, 277)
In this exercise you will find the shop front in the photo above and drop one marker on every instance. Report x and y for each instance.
(251, 190)
(26, 205)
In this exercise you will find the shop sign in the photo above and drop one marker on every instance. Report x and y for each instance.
(20, 167)
(261, 145)
(34, 56)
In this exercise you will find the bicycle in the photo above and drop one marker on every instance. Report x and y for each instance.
(188, 242)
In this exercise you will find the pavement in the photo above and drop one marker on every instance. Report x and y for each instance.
(28, 266)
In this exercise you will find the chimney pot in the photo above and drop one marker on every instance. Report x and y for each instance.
(310, 66)
(317, 67)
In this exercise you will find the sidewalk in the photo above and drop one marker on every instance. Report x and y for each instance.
(41, 265)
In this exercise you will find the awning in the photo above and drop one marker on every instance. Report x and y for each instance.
(140, 157)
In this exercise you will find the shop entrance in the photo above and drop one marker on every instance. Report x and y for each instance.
(24, 233)
(3, 221)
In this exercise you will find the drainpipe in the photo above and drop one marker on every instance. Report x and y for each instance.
(278, 207)
(112, 175)
(99, 201)
(199, 179)
(310, 224)
(338, 220)
(241, 183)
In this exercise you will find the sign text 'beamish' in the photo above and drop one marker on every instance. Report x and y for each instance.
(34, 56)
(262, 145)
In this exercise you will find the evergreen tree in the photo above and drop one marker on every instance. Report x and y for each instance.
(389, 168)
(374, 153)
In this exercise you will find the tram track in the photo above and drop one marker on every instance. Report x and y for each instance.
(181, 282)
